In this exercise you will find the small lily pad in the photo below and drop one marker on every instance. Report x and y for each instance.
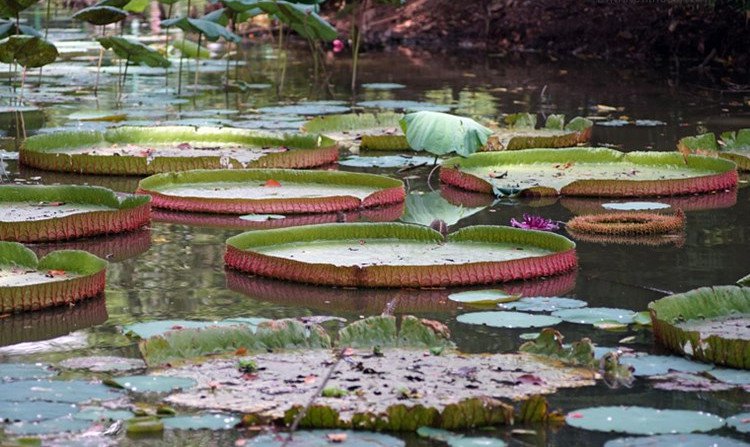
(307, 108)
(740, 422)
(144, 425)
(150, 329)
(480, 297)
(103, 414)
(543, 304)
(59, 425)
(154, 384)
(643, 420)
(635, 206)
(103, 364)
(733, 376)
(71, 391)
(21, 371)
(383, 86)
(35, 411)
(457, 439)
(217, 421)
(593, 315)
(508, 319)
(320, 438)
(386, 161)
(652, 365)
(407, 106)
(682, 440)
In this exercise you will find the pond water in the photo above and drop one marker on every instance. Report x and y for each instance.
(175, 271)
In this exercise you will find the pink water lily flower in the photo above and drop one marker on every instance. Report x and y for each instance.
(531, 222)
(338, 46)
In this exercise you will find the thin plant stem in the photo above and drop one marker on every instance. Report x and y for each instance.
(197, 65)
(166, 46)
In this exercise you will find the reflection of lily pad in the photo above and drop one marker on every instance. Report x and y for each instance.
(709, 324)
(682, 440)
(270, 191)
(508, 319)
(543, 304)
(425, 208)
(211, 421)
(59, 425)
(651, 365)
(320, 438)
(594, 315)
(61, 277)
(733, 376)
(406, 106)
(150, 150)
(643, 420)
(399, 255)
(153, 384)
(387, 161)
(37, 213)
(594, 172)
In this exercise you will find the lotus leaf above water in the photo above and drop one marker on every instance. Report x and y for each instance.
(151, 150)
(595, 172)
(399, 255)
(51, 213)
(61, 277)
(709, 324)
(271, 191)
(734, 146)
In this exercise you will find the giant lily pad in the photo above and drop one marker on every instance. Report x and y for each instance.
(708, 324)
(62, 277)
(157, 328)
(150, 150)
(375, 131)
(734, 146)
(270, 191)
(386, 161)
(399, 255)
(643, 420)
(508, 319)
(48, 213)
(683, 440)
(588, 172)
(70, 391)
(20, 371)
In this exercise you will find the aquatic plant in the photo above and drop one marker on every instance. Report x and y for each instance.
(531, 222)
(628, 223)
(733, 145)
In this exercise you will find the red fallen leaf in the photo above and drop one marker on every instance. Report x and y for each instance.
(575, 415)
(271, 183)
(336, 437)
(311, 379)
(55, 273)
(241, 351)
(184, 146)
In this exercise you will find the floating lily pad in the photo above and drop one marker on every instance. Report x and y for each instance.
(382, 86)
(643, 420)
(686, 382)
(733, 376)
(20, 371)
(149, 150)
(307, 108)
(270, 191)
(740, 422)
(376, 131)
(103, 364)
(61, 277)
(387, 161)
(153, 384)
(682, 440)
(153, 328)
(509, 320)
(543, 304)
(425, 208)
(627, 224)
(734, 146)
(488, 296)
(35, 213)
(59, 425)
(594, 315)
(399, 255)
(406, 106)
(103, 414)
(35, 411)
(144, 425)
(70, 391)
(522, 134)
(651, 365)
(708, 324)
(457, 439)
(212, 421)
(594, 172)
(320, 438)
(635, 206)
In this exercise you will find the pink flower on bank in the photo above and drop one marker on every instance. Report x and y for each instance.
(531, 222)
(338, 46)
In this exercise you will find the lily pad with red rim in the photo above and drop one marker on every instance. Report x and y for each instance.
(596, 172)
(132, 150)
(61, 277)
(270, 191)
(643, 420)
(399, 255)
(36, 213)
(523, 134)
(374, 131)
(733, 145)
(708, 324)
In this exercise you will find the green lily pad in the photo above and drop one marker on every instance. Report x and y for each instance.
(144, 425)
(480, 297)
(70, 391)
(302, 19)
(681, 440)
(154, 384)
(382, 86)
(543, 304)
(588, 172)
(319, 438)
(635, 206)
(27, 51)
(59, 425)
(270, 190)
(733, 376)
(387, 161)
(458, 440)
(21, 371)
(307, 108)
(643, 420)
(134, 52)
(211, 421)
(209, 30)
(391, 255)
(734, 146)
(130, 150)
(425, 208)
(740, 422)
(594, 315)
(441, 133)
(103, 364)
(375, 131)
(405, 105)
(511, 320)
(103, 414)
(154, 328)
(652, 365)
(35, 411)
(708, 324)
(13, 7)
(100, 15)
